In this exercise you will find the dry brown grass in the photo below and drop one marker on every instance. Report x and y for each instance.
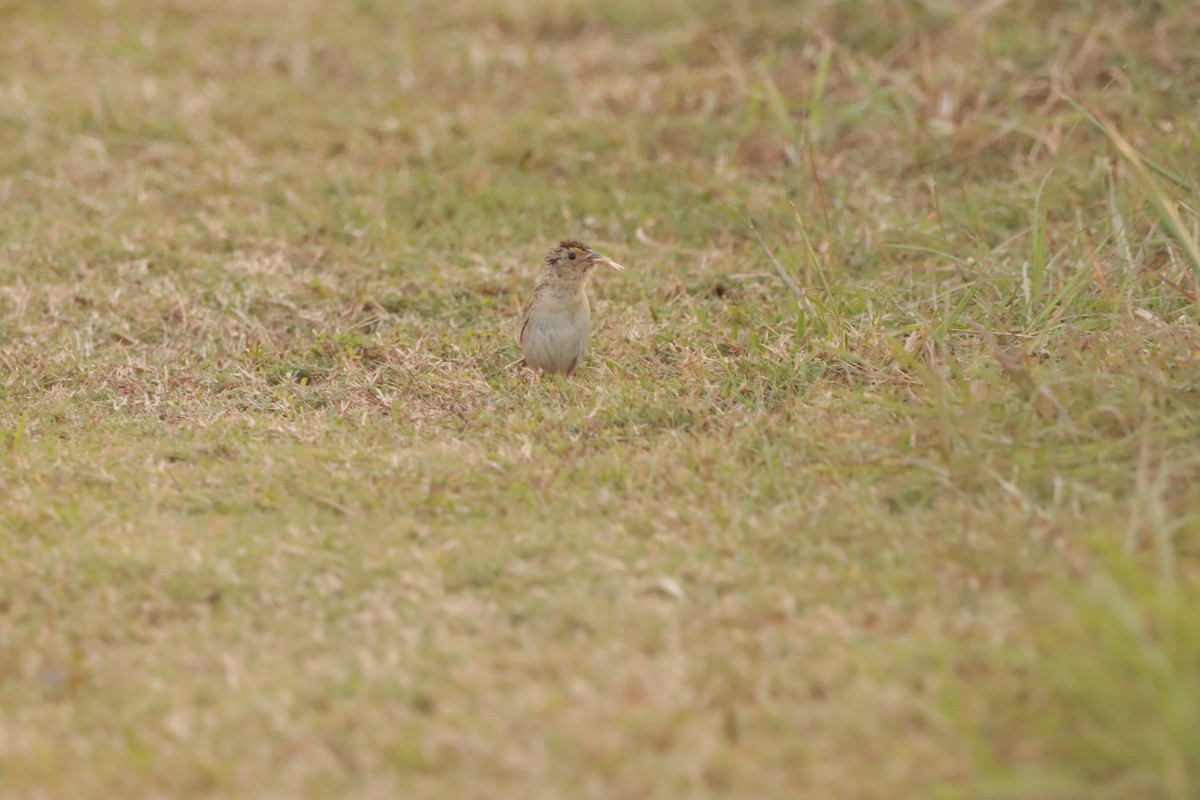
(281, 518)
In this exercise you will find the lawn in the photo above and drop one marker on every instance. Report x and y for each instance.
(881, 478)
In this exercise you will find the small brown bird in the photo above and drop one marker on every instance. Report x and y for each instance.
(557, 318)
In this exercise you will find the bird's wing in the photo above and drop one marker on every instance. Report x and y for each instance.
(525, 312)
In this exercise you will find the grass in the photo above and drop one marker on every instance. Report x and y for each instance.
(879, 480)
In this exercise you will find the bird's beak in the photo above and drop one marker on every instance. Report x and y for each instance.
(603, 259)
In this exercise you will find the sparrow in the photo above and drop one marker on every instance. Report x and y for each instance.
(556, 321)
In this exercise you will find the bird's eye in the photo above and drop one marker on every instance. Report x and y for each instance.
(571, 256)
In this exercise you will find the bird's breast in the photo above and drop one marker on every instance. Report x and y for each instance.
(555, 334)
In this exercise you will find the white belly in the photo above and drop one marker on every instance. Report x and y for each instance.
(555, 341)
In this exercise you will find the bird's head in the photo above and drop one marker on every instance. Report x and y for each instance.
(574, 259)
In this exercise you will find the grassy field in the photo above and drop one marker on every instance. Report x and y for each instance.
(880, 480)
